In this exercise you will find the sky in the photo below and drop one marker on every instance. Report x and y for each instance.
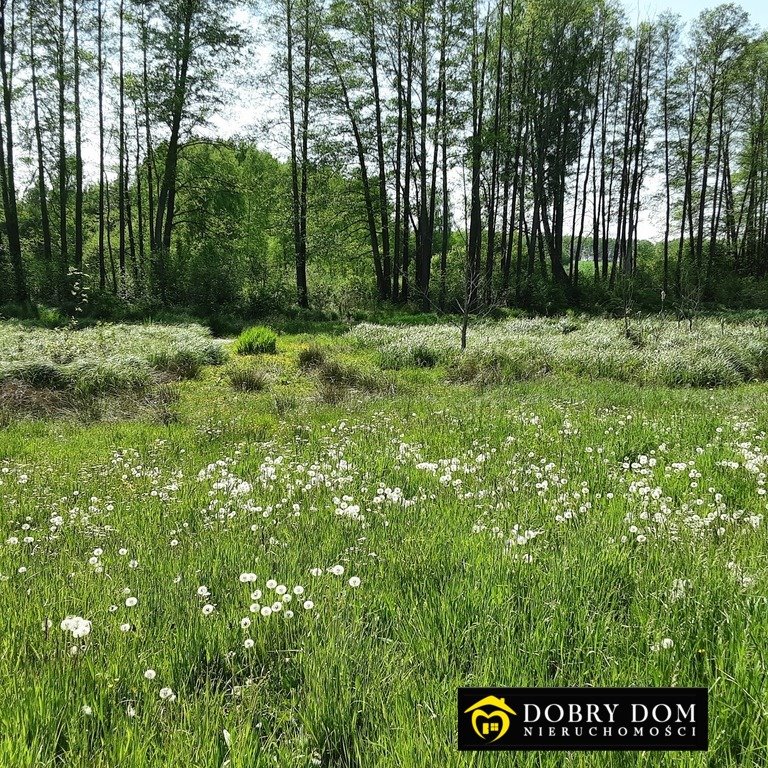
(689, 9)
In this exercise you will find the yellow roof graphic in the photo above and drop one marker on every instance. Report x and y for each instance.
(492, 701)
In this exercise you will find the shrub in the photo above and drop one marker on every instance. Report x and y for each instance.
(247, 379)
(256, 340)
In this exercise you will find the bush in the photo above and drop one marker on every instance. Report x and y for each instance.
(256, 340)
(247, 379)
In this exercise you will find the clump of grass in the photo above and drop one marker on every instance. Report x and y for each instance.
(336, 378)
(487, 368)
(284, 403)
(331, 393)
(312, 356)
(180, 363)
(247, 378)
(256, 340)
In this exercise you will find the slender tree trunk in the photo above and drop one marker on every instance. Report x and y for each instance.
(383, 202)
(121, 181)
(45, 221)
(100, 55)
(398, 162)
(7, 169)
(62, 162)
(78, 141)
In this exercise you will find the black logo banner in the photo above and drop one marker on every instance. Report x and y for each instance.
(583, 719)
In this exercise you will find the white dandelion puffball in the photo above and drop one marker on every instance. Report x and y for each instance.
(308, 605)
(203, 591)
(667, 643)
(77, 626)
(298, 590)
(125, 627)
(130, 602)
(354, 582)
(337, 570)
(208, 609)
(245, 623)
(150, 674)
(167, 694)
(271, 584)
(266, 611)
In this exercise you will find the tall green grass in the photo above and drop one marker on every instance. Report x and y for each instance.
(542, 532)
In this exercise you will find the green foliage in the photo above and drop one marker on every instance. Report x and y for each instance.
(256, 340)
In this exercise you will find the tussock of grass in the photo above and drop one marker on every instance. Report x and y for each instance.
(247, 378)
(256, 340)
(312, 356)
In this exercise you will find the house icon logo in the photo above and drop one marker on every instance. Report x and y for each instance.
(490, 717)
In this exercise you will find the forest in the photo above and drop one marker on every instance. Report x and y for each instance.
(443, 155)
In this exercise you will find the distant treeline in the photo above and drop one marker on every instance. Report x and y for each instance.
(438, 153)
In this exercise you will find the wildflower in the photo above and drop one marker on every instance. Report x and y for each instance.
(354, 582)
(298, 590)
(248, 643)
(202, 591)
(130, 602)
(308, 605)
(281, 589)
(256, 594)
(316, 572)
(667, 643)
(167, 694)
(150, 674)
(87, 710)
(266, 611)
(271, 584)
(125, 627)
(337, 570)
(77, 626)
(245, 622)
(208, 609)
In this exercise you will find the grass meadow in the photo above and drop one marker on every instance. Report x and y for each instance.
(296, 557)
